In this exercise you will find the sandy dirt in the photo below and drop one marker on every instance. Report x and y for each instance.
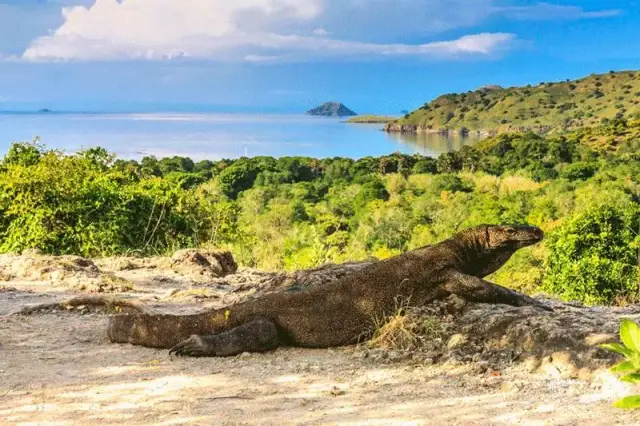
(58, 368)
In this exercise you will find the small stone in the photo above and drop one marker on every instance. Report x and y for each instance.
(481, 367)
(428, 361)
(336, 391)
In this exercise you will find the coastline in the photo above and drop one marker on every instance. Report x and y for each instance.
(415, 129)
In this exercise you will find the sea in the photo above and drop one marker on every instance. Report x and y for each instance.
(215, 136)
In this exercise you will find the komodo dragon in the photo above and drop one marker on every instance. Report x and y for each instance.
(341, 312)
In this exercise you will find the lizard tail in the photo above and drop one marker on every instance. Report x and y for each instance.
(162, 330)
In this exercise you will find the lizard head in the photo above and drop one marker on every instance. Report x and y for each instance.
(512, 236)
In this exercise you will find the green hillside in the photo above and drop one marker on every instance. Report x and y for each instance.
(547, 107)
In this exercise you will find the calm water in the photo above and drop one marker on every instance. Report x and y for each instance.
(215, 136)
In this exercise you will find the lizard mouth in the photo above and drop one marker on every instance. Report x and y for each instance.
(535, 237)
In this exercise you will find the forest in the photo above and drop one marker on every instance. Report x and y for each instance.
(581, 188)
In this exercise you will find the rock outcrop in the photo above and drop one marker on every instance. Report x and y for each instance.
(564, 342)
(203, 263)
(71, 272)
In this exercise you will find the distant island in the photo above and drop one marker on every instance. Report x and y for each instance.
(548, 107)
(44, 110)
(332, 109)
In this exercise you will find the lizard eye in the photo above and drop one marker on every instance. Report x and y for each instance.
(511, 231)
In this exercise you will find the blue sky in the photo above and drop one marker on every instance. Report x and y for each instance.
(378, 56)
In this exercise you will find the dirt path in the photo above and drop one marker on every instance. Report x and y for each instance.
(58, 368)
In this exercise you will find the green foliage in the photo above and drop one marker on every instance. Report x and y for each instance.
(23, 154)
(592, 257)
(629, 368)
(365, 119)
(579, 171)
(427, 165)
(371, 191)
(85, 205)
(238, 177)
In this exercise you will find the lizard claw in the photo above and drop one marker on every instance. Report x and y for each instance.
(530, 301)
(193, 346)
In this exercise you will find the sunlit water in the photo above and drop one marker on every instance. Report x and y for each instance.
(215, 136)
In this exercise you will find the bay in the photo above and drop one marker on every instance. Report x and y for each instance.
(216, 136)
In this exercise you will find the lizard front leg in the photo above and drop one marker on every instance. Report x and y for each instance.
(255, 336)
(476, 289)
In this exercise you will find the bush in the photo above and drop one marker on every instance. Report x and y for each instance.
(238, 177)
(80, 205)
(579, 171)
(540, 173)
(427, 165)
(451, 183)
(23, 153)
(592, 257)
(372, 191)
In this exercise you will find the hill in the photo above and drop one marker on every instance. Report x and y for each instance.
(547, 107)
(332, 109)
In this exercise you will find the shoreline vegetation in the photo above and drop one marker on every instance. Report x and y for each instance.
(548, 108)
(370, 119)
(582, 188)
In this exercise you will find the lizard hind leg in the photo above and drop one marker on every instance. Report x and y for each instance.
(256, 336)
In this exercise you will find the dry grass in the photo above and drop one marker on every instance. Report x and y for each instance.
(195, 293)
(406, 329)
(115, 283)
(511, 184)
(488, 184)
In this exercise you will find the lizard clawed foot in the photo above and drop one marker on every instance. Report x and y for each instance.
(530, 301)
(193, 346)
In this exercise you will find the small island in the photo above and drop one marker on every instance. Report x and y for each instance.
(44, 111)
(332, 109)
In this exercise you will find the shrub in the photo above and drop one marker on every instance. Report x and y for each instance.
(370, 191)
(449, 162)
(592, 257)
(77, 205)
(238, 177)
(23, 153)
(579, 171)
(451, 183)
(427, 165)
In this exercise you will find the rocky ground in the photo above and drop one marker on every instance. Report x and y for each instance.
(449, 363)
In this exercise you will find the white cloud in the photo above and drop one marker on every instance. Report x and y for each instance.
(279, 30)
(223, 30)
(547, 11)
(321, 32)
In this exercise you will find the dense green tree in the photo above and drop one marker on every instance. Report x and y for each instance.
(238, 177)
(593, 256)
